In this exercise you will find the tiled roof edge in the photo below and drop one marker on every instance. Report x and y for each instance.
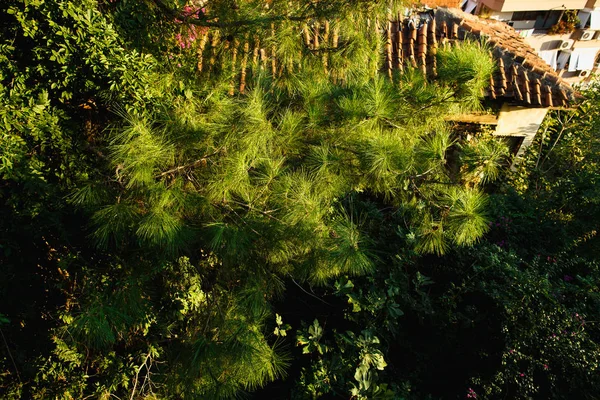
(508, 45)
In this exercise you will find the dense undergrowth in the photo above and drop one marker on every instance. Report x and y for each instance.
(320, 232)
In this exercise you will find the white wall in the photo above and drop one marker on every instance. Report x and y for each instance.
(534, 5)
(501, 16)
(520, 121)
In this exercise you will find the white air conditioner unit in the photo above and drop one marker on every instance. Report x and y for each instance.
(587, 35)
(585, 73)
(566, 44)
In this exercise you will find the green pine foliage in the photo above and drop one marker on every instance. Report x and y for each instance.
(467, 70)
(509, 317)
(158, 216)
(283, 158)
(482, 158)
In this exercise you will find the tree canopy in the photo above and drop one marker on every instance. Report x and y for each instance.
(188, 215)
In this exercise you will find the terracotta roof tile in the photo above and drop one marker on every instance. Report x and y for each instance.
(537, 93)
(522, 75)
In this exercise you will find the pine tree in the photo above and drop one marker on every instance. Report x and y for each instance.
(207, 199)
(274, 184)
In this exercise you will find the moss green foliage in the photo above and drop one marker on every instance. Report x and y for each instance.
(159, 228)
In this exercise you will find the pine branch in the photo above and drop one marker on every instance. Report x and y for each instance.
(439, 102)
(243, 220)
(265, 213)
(418, 191)
(201, 162)
(422, 174)
(439, 183)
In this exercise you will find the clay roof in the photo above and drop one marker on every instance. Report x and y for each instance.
(522, 76)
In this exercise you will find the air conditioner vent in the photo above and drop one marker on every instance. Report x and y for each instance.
(566, 44)
(587, 35)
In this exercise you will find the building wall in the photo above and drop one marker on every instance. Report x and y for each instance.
(580, 67)
(534, 5)
(501, 16)
(520, 121)
(547, 43)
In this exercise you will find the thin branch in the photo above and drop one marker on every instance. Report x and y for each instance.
(197, 163)
(541, 146)
(562, 130)
(440, 183)
(10, 355)
(392, 124)
(137, 376)
(243, 220)
(265, 213)
(436, 103)
(147, 380)
(308, 293)
(422, 174)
